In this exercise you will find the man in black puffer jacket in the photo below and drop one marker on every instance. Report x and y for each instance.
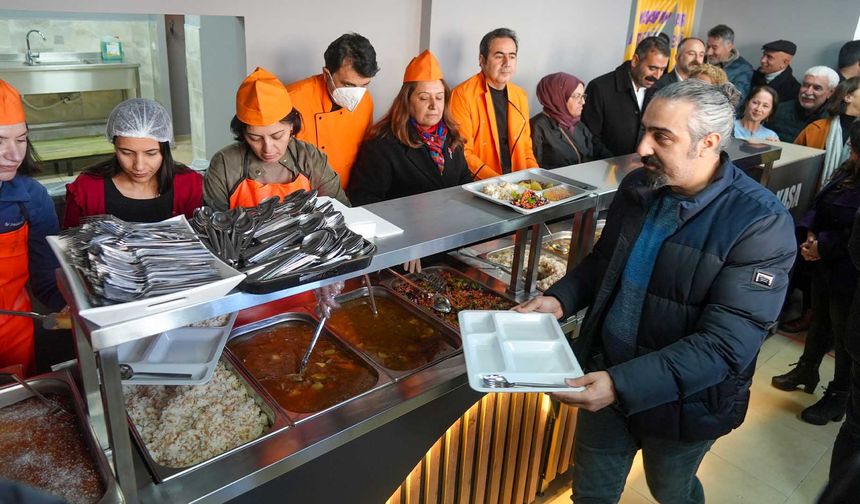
(689, 274)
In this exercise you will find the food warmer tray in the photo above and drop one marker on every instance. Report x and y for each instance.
(449, 336)
(61, 383)
(487, 282)
(250, 330)
(277, 422)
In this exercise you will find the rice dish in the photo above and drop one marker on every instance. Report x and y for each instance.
(550, 269)
(184, 425)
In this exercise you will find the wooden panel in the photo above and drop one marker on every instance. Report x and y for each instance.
(500, 428)
(467, 460)
(432, 466)
(395, 497)
(536, 459)
(554, 446)
(413, 485)
(451, 461)
(567, 443)
(485, 438)
(512, 447)
(527, 435)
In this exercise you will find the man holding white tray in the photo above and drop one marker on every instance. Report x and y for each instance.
(689, 274)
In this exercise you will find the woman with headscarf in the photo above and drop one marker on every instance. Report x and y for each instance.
(27, 216)
(559, 138)
(266, 160)
(141, 182)
(415, 147)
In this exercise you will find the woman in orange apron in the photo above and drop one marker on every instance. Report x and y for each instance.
(27, 215)
(265, 161)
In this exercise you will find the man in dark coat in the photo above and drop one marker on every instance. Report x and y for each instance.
(792, 116)
(775, 70)
(721, 52)
(691, 53)
(687, 277)
(615, 100)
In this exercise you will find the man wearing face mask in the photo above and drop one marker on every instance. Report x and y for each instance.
(492, 112)
(336, 108)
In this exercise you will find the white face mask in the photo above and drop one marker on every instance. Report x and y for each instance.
(347, 97)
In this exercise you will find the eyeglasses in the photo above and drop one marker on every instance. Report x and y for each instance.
(577, 96)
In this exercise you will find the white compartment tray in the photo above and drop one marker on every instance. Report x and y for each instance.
(523, 347)
(191, 350)
(536, 174)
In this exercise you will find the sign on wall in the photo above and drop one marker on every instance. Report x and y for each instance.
(652, 17)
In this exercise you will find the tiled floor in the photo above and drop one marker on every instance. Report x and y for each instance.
(774, 457)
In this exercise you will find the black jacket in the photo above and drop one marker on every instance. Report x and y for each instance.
(717, 286)
(612, 112)
(553, 148)
(790, 119)
(785, 85)
(386, 169)
(852, 333)
(665, 80)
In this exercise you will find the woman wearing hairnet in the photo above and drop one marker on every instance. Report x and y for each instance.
(26, 217)
(141, 183)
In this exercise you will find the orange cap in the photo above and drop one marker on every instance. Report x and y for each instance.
(11, 106)
(424, 67)
(262, 99)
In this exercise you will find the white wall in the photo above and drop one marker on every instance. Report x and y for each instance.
(819, 28)
(581, 37)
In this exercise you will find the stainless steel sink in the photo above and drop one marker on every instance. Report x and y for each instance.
(65, 72)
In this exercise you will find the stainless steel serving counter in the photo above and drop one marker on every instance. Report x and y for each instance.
(606, 174)
(433, 222)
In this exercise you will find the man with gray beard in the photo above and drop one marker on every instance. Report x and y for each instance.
(687, 277)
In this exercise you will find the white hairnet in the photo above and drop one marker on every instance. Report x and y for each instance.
(140, 118)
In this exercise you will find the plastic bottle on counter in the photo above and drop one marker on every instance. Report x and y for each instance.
(111, 48)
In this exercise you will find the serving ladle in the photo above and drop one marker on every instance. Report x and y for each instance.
(127, 373)
(499, 381)
(53, 406)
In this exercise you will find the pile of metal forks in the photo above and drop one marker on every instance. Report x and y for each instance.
(124, 261)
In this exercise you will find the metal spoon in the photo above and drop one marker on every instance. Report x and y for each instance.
(371, 295)
(499, 381)
(440, 303)
(309, 351)
(53, 406)
(127, 373)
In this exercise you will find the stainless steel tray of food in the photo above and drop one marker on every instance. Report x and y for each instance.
(529, 191)
(59, 453)
(336, 373)
(465, 291)
(400, 338)
(178, 439)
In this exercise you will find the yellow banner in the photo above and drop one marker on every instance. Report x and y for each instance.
(652, 17)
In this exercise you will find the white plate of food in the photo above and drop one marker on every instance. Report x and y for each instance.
(527, 191)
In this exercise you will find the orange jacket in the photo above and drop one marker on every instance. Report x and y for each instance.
(814, 134)
(472, 108)
(337, 134)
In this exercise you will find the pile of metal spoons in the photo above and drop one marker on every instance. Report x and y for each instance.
(279, 238)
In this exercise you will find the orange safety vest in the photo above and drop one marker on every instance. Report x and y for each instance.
(249, 192)
(16, 333)
(472, 109)
(338, 134)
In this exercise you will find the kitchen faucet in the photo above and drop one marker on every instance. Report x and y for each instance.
(33, 58)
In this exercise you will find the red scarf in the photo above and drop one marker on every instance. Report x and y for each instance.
(434, 138)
